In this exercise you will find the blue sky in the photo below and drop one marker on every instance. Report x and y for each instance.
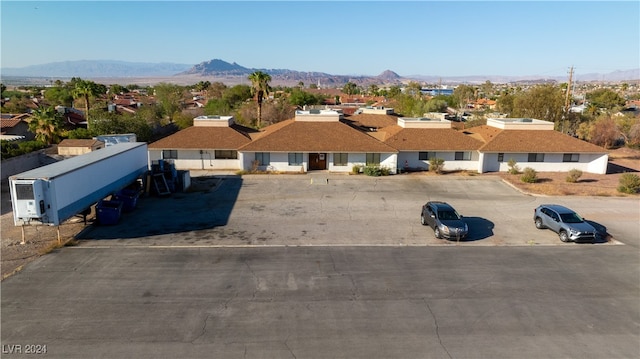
(452, 38)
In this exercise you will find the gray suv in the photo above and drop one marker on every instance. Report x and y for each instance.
(444, 220)
(562, 220)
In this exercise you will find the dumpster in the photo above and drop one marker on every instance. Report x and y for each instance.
(108, 212)
(128, 197)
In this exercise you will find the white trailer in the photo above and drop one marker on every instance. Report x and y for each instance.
(51, 194)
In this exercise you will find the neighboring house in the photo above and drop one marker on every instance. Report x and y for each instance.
(73, 117)
(15, 127)
(74, 147)
(485, 104)
(534, 143)
(212, 143)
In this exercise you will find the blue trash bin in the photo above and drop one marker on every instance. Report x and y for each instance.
(129, 199)
(108, 212)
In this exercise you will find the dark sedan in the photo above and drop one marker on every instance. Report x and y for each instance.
(444, 220)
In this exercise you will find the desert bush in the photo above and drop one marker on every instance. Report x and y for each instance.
(529, 175)
(436, 165)
(356, 169)
(629, 183)
(513, 167)
(574, 175)
(374, 171)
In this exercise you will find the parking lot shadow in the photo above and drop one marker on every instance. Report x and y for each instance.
(479, 228)
(205, 205)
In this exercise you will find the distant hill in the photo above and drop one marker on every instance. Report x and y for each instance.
(216, 66)
(96, 68)
(219, 70)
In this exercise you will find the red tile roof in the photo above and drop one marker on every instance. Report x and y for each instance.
(9, 123)
(304, 136)
(195, 137)
(367, 120)
(530, 141)
(424, 139)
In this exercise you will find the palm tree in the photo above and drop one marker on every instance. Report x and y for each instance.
(260, 88)
(46, 123)
(85, 89)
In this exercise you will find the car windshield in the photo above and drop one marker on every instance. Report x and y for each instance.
(571, 218)
(448, 215)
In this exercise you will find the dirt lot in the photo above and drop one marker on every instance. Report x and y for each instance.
(40, 240)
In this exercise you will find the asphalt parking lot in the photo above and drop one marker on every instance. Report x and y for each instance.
(326, 210)
(301, 267)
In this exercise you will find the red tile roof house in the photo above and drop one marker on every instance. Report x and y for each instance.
(15, 127)
(212, 143)
(316, 140)
(325, 140)
(418, 140)
(534, 143)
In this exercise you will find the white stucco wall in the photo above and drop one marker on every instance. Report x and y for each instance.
(587, 162)
(450, 163)
(194, 160)
(279, 162)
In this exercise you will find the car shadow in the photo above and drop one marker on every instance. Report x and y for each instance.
(479, 228)
(602, 235)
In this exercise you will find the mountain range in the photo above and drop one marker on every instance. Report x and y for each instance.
(219, 70)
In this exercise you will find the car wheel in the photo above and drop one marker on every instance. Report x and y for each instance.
(538, 223)
(422, 220)
(436, 232)
(563, 236)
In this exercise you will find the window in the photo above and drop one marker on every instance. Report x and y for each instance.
(340, 159)
(500, 157)
(423, 156)
(463, 156)
(536, 157)
(169, 154)
(226, 154)
(295, 159)
(570, 157)
(373, 159)
(263, 158)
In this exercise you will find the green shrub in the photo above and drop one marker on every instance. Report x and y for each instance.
(376, 171)
(629, 183)
(356, 169)
(436, 165)
(529, 175)
(14, 149)
(372, 171)
(513, 167)
(574, 175)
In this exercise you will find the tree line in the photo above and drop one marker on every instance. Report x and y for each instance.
(259, 104)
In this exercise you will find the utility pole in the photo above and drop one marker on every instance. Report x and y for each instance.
(567, 102)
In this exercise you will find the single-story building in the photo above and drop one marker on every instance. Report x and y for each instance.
(74, 147)
(212, 143)
(316, 140)
(15, 127)
(534, 143)
(418, 140)
(326, 140)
